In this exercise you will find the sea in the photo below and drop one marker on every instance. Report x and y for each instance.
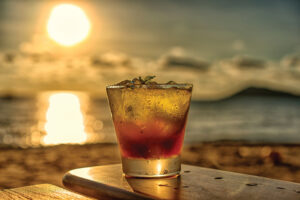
(52, 118)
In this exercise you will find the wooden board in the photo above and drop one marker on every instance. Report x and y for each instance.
(108, 182)
(40, 192)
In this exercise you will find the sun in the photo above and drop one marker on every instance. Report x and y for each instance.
(68, 25)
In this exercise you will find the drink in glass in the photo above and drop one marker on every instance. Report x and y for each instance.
(150, 121)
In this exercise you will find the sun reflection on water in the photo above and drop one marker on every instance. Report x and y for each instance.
(64, 120)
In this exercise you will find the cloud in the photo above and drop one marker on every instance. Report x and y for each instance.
(238, 45)
(111, 59)
(8, 57)
(177, 52)
(179, 59)
(39, 44)
(291, 61)
(244, 68)
(246, 62)
(21, 71)
(185, 63)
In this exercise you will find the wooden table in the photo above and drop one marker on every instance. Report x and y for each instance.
(108, 182)
(40, 192)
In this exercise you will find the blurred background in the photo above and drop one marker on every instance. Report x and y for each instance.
(56, 57)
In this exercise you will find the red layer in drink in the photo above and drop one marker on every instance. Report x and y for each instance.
(154, 139)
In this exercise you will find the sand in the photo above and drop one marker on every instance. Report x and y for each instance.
(20, 167)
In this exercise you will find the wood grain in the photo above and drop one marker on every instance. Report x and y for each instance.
(40, 192)
(193, 183)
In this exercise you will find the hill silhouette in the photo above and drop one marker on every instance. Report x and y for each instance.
(254, 91)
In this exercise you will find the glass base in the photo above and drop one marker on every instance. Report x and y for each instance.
(151, 168)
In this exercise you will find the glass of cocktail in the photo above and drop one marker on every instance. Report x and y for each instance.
(150, 121)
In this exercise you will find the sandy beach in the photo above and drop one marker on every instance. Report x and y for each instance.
(20, 167)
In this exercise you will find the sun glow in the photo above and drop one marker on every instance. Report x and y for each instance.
(68, 25)
(64, 120)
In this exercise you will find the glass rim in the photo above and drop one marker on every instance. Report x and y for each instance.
(164, 86)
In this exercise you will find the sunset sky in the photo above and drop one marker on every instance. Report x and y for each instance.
(220, 47)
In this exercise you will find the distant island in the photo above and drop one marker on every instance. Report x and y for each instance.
(255, 91)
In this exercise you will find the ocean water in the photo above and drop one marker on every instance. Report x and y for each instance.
(54, 118)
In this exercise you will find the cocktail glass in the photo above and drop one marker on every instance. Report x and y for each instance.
(150, 123)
